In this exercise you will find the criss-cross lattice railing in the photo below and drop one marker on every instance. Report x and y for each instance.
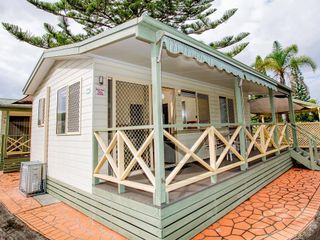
(19, 144)
(116, 160)
(264, 140)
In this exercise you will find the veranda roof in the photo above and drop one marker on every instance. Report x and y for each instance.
(262, 105)
(149, 30)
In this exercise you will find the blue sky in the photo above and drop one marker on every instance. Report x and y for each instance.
(288, 21)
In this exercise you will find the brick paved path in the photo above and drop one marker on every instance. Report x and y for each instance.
(279, 211)
(57, 221)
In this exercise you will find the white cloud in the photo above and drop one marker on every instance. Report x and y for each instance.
(288, 21)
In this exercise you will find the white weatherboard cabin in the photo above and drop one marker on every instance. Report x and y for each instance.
(148, 130)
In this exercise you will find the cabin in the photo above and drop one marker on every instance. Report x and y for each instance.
(15, 130)
(148, 130)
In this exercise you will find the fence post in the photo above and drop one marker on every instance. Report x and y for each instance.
(95, 180)
(311, 153)
(120, 145)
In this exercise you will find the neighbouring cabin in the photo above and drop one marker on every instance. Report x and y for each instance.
(15, 130)
(148, 130)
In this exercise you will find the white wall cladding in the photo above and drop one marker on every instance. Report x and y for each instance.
(133, 73)
(69, 156)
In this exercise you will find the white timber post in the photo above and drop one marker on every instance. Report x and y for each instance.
(160, 195)
(241, 120)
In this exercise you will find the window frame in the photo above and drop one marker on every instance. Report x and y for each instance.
(196, 93)
(41, 124)
(66, 133)
(227, 99)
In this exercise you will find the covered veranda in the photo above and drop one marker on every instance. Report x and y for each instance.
(222, 144)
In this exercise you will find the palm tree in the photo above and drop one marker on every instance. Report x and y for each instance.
(283, 62)
(259, 65)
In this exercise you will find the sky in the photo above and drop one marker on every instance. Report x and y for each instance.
(288, 21)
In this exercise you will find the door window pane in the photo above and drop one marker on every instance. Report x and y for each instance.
(203, 108)
(189, 107)
(223, 110)
(231, 117)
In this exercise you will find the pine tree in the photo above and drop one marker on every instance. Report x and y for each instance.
(299, 88)
(188, 16)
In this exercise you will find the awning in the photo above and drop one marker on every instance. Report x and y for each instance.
(177, 47)
(262, 105)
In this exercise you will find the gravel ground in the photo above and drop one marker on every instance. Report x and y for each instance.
(12, 228)
(312, 232)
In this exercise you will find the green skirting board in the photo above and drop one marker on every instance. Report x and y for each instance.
(179, 220)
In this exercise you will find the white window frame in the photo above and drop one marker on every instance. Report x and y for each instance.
(67, 104)
(227, 108)
(197, 105)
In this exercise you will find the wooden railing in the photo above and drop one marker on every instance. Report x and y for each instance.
(18, 145)
(311, 128)
(120, 173)
(259, 143)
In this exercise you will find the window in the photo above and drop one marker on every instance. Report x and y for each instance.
(41, 106)
(68, 109)
(195, 107)
(226, 110)
(203, 108)
(61, 110)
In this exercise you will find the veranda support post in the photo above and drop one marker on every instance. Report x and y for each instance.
(160, 195)
(274, 117)
(292, 120)
(241, 121)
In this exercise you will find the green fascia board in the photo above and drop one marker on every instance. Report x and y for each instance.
(146, 28)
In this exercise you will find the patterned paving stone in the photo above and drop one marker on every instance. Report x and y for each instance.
(277, 212)
(57, 221)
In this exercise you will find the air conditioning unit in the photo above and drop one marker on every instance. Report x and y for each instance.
(31, 182)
